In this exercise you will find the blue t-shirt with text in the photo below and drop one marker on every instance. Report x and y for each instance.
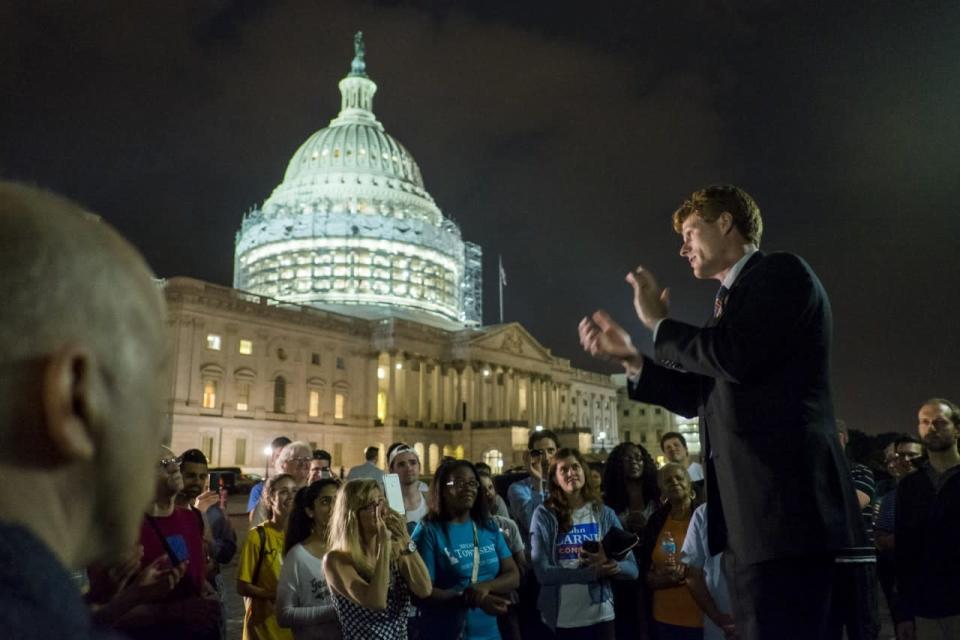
(448, 553)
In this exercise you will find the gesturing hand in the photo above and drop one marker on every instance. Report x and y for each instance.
(206, 500)
(650, 301)
(603, 338)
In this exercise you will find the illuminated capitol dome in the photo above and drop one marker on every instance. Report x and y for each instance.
(352, 229)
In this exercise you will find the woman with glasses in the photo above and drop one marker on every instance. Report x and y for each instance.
(372, 564)
(260, 560)
(468, 559)
(574, 573)
(304, 603)
(630, 489)
(676, 615)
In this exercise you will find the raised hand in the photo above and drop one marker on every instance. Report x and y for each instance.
(206, 500)
(602, 337)
(649, 300)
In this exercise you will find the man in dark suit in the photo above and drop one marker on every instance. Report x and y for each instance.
(757, 375)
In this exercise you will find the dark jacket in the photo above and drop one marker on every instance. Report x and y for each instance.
(758, 377)
(927, 553)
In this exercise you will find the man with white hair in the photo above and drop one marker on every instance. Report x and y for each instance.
(294, 459)
(83, 360)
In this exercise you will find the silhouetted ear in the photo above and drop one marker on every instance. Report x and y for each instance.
(725, 220)
(70, 396)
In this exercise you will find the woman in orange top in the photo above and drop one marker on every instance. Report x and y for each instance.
(676, 615)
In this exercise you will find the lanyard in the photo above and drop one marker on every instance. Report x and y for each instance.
(476, 556)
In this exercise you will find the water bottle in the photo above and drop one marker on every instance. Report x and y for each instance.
(669, 546)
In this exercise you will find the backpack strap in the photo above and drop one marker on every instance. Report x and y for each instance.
(263, 549)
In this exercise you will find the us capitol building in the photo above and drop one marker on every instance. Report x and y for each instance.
(355, 320)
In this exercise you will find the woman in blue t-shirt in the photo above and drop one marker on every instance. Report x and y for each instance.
(467, 558)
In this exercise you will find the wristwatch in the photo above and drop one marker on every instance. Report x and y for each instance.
(408, 549)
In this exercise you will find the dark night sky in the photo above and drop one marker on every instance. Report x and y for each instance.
(560, 139)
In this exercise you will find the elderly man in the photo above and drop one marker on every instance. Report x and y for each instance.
(83, 357)
(294, 459)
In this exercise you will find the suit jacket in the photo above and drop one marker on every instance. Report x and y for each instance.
(758, 377)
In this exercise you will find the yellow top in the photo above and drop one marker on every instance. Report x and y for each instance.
(260, 620)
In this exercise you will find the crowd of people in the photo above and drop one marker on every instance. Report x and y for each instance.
(773, 533)
(571, 557)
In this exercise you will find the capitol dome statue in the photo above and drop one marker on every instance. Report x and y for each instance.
(352, 229)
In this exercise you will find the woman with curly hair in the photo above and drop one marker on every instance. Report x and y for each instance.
(304, 603)
(576, 600)
(630, 489)
(469, 562)
(372, 565)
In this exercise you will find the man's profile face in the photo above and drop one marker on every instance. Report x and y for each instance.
(702, 246)
(937, 431)
(317, 468)
(674, 450)
(194, 479)
(407, 466)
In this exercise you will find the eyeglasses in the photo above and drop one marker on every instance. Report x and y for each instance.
(371, 506)
(166, 462)
(463, 484)
(300, 462)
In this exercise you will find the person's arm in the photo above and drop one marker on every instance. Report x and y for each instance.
(508, 577)
(542, 554)
(524, 500)
(224, 538)
(781, 296)
(677, 391)
(414, 571)
(290, 611)
(701, 595)
(249, 558)
(343, 578)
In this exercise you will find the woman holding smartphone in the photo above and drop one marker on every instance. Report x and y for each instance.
(372, 565)
(304, 603)
(469, 561)
(576, 599)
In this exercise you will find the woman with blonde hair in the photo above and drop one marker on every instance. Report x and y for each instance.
(372, 564)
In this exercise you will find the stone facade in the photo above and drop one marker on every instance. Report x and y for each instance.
(247, 368)
(646, 423)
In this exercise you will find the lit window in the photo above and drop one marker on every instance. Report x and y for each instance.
(243, 396)
(338, 406)
(209, 394)
(246, 347)
(314, 403)
(381, 406)
(381, 373)
(213, 341)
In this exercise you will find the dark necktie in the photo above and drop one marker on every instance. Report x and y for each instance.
(720, 301)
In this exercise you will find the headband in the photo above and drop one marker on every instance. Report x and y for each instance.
(401, 449)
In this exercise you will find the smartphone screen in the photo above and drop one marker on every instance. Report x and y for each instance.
(215, 481)
(391, 486)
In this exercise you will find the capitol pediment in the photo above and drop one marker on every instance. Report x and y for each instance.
(514, 339)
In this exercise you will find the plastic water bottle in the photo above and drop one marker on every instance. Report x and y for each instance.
(669, 546)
